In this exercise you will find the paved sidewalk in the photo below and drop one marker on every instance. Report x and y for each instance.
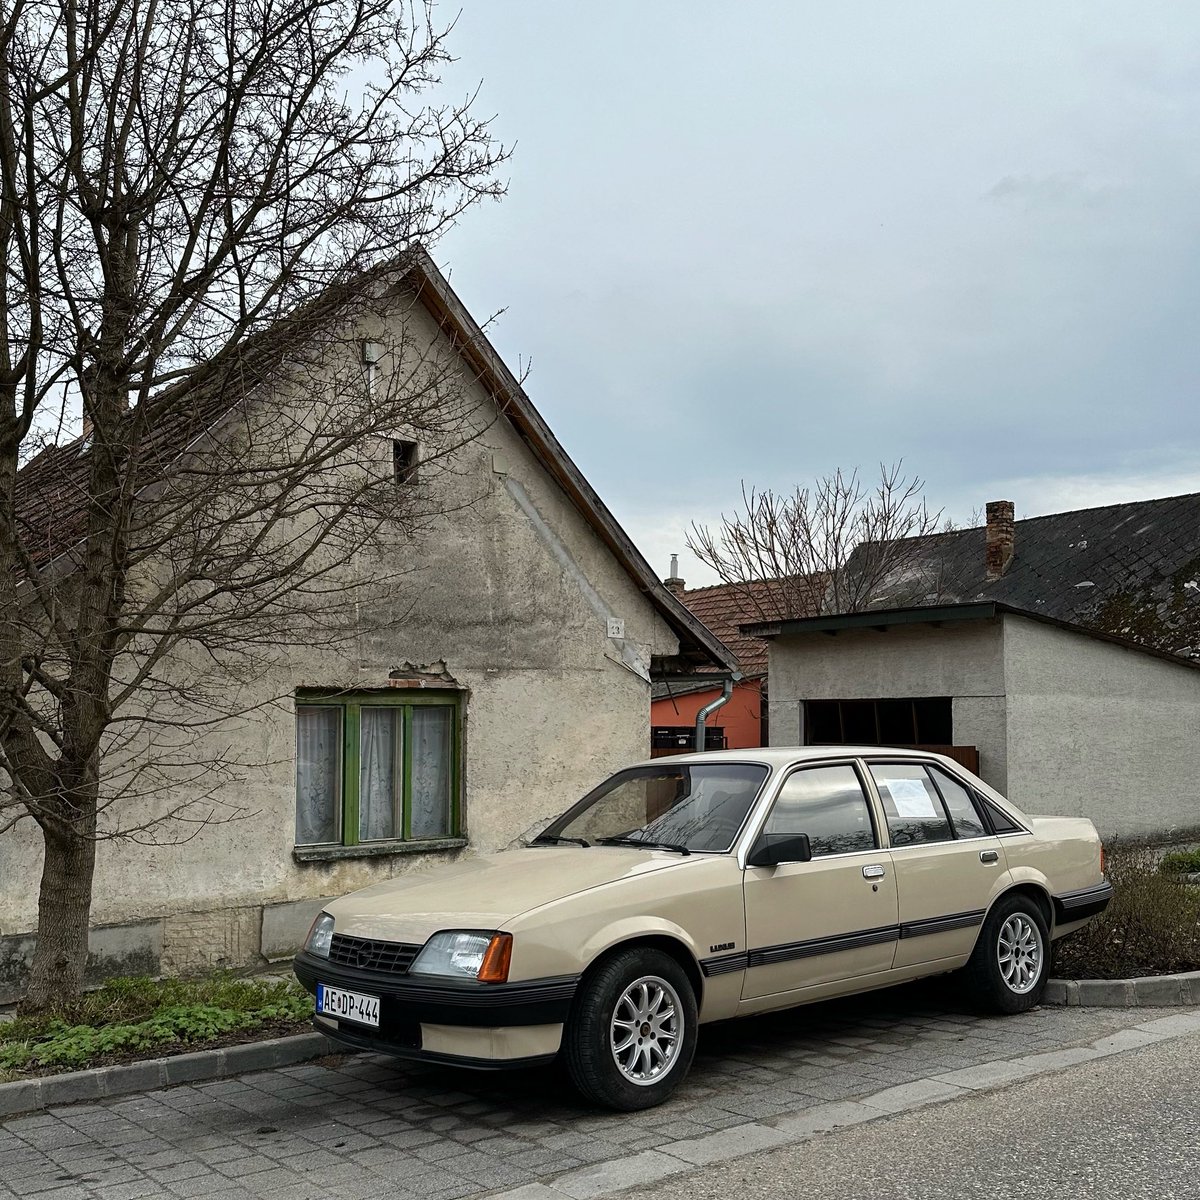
(362, 1126)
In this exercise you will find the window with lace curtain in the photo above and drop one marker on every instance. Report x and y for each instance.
(376, 767)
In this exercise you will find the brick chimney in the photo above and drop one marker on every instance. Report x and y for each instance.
(1000, 537)
(673, 582)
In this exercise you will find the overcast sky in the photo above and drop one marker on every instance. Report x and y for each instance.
(764, 240)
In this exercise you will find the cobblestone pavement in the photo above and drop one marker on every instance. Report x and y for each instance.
(362, 1126)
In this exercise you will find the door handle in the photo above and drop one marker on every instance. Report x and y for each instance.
(874, 872)
(988, 856)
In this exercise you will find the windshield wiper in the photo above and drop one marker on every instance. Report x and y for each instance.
(634, 841)
(549, 838)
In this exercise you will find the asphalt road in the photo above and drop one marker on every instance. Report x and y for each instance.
(1125, 1127)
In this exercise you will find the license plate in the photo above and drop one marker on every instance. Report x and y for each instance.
(347, 1006)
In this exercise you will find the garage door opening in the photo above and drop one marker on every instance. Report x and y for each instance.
(919, 722)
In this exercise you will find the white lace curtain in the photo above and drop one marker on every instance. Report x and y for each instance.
(318, 774)
(432, 765)
(380, 774)
(381, 731)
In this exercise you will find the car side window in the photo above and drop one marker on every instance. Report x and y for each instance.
(829, 805)
(963, 813)
(1001, 821)
(914, 809)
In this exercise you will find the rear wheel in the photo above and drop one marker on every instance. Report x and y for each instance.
(632, 1035)
(1007, 971)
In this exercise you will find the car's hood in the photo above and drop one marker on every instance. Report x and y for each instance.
(488, 891)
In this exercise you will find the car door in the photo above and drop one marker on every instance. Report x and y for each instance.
(835, 917)
(947, 862)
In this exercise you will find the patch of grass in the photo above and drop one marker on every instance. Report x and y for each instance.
(140, 1017)
(1152, 926)
(1182, 862)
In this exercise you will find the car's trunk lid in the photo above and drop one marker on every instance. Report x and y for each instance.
(1067, 848)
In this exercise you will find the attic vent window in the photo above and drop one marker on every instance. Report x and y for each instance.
(404, 461)
(372, 352)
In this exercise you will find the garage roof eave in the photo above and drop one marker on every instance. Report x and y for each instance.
(948, 614)
(877, 619)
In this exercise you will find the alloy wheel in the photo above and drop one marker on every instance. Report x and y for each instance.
(647, 1025)
(1019, 953)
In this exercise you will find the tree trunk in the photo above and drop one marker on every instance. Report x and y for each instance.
(64, 911)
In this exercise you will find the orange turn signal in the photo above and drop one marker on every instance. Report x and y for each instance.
(496, 959)
(1102, 859)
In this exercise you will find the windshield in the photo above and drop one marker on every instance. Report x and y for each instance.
(695, 807)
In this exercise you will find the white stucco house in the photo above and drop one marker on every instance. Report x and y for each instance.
(1039, 663)
(517, 675)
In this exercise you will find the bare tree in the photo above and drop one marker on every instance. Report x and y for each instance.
(201, 210)
(834, 547)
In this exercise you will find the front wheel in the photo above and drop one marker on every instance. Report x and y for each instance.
(632, 1035)
(1008, 969)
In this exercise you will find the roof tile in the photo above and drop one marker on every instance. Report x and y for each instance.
(727, 606)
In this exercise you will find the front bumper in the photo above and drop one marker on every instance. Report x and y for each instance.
(467, 1024)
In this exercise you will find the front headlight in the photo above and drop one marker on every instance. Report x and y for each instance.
(465, 954)
(320, 936)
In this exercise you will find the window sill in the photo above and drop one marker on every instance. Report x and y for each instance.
(308, 854)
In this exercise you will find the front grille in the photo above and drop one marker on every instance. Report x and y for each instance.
(391, 958)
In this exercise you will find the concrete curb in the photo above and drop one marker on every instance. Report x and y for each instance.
(1151, 991)
(27, 1095)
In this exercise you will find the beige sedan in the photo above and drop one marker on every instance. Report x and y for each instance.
(697, 888)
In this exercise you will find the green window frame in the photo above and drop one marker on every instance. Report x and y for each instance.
(357, 764)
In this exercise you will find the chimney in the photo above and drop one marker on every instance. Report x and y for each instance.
(674, 584)
(1000, 537)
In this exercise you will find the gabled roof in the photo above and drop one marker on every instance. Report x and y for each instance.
(1073, 566)
(698, 646)
(51, 495)
(725, 608)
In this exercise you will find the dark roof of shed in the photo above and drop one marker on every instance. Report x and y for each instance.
(51, 491)
(1068, 565)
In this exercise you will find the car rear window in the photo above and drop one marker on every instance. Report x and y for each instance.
(915, 813)
(963, 813)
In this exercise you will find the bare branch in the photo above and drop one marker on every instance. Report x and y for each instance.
(834, 547)
(203, 216)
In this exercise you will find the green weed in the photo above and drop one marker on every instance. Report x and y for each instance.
(130, 1017)
(1182, 862)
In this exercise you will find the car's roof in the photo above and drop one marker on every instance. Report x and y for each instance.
(779, 756)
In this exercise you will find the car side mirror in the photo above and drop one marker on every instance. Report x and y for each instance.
(771, 849)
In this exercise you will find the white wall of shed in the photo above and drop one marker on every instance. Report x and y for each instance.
(1102, 731)
(964, 662)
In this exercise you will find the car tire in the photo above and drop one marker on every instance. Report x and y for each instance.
(1010, 964)
(631, 1036)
